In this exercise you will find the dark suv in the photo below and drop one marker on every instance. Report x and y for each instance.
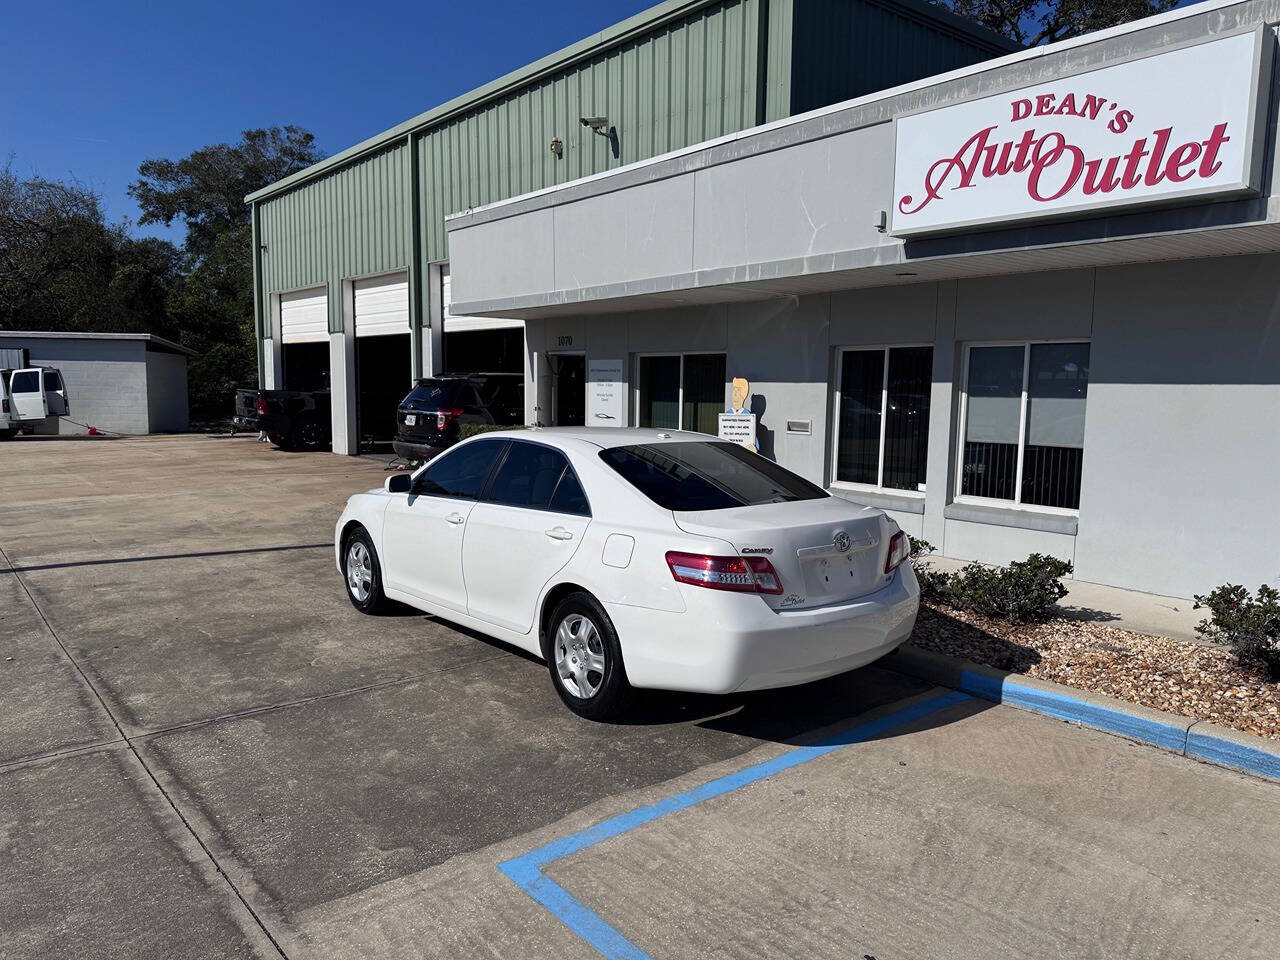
(434, 413)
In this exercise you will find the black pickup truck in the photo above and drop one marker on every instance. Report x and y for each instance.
(292, 419)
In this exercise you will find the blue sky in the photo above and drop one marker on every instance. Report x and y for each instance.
(95, 88)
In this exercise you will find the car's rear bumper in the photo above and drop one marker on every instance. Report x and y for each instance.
(728, 642)
(417, 450)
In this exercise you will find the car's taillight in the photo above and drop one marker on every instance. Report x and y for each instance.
(444, 416)
(899, 548)
(744, 575)
(5, 409)
(263, 407)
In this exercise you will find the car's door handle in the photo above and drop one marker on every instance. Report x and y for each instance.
(454, 518)
(559, 533)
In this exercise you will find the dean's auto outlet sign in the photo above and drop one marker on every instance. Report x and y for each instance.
(1172, 127)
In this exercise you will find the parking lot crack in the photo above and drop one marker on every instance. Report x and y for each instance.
(137, 755)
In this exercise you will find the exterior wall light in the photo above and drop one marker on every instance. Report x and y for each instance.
(557, 147)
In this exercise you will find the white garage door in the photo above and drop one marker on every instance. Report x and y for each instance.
(304, 316)
(382, 305)
(454, 324)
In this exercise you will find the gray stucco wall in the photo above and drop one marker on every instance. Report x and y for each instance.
(167, 392)
(1181, 439)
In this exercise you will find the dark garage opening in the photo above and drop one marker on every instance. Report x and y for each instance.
(384, 376)
(484, 351)
(305, 366)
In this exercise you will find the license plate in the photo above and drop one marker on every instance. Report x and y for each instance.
(410, 419)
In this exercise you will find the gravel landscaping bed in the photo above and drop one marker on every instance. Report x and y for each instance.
(1171, 675)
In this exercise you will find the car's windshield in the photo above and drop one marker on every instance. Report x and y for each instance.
(698, 475)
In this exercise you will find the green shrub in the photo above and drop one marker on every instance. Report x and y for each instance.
(1025, 591)
(467, 430)
(1249, 625)
(933, 583)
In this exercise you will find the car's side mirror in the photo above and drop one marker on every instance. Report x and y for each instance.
(399, 483)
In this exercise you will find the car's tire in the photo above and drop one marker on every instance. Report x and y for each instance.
(308, 434)
(8, 434)
(585, 659)
(362, 573)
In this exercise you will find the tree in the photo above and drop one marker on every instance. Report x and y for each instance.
(63, 268)
(213, 301)
(1030, 23)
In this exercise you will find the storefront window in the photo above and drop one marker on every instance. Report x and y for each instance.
(883, 434)
(1024, 423)
(681, 391)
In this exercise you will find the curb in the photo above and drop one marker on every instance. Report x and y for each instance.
(1199, 739)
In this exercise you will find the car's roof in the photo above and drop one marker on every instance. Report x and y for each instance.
(600, 436)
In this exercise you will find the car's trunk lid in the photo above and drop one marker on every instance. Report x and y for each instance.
(825, 551)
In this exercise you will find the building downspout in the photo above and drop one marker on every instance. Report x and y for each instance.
(417, 318)
(260, 333)
(762, 62)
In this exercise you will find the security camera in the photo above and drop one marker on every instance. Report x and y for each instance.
(598, 124)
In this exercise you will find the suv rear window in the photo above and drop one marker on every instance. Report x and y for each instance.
(438, 393)
(693, 475)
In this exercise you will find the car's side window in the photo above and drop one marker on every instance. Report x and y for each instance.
(528, 477)
(461, 472)
(569, 496)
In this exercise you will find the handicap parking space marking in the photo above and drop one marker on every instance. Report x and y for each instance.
(526, 870)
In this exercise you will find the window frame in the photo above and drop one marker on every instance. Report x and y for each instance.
(568, 468)
(416, 491)
(635, 419)
(838, 382)
(962, 427)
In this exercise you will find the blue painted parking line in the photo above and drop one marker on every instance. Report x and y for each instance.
(526, 870)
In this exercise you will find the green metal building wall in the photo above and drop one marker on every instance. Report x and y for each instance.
(684, 82)
(680, 73)
(353, 222)
(847, 48)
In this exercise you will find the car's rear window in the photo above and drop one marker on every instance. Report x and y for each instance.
(433, 393)
(696, 475)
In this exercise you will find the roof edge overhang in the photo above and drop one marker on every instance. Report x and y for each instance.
(1238, 228)
(151, 340)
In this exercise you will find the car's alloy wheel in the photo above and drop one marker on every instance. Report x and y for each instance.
(580, 656)
(584, 658)
(363, 573)
(359, 571)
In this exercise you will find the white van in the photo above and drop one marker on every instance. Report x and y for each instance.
(28, 396)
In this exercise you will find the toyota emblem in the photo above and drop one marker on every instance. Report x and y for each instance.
(841, 541)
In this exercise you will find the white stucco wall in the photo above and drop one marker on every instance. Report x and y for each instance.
(1181, 447)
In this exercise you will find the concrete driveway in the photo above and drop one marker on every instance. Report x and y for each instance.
(206, 752)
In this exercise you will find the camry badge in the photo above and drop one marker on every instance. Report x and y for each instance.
(841, 541)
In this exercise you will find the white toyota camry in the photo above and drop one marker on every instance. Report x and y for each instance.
(635, 558)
